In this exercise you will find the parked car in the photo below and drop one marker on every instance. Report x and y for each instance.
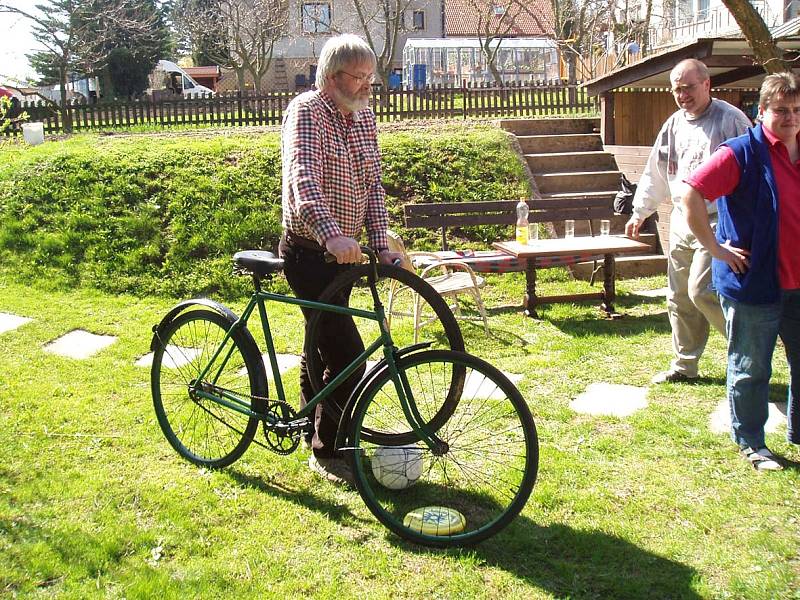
(169, 79)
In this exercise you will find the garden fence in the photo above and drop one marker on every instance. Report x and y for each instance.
(533, 99)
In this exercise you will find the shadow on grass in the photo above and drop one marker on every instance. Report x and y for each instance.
(626, 325)
(300, 496)
(573, 563)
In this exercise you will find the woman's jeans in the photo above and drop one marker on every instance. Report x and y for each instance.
(753, 330)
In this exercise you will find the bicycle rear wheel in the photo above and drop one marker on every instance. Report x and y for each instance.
(479, 475)
(202, 431)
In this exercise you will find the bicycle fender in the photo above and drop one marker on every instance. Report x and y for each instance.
(185, 305)
(369, 376)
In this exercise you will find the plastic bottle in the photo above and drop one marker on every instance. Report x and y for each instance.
(522, 222)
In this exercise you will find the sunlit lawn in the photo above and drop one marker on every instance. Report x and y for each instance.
(95, 503)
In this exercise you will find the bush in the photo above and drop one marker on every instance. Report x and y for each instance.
(147, 214)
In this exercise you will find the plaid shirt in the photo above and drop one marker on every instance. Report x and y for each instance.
(331, 172)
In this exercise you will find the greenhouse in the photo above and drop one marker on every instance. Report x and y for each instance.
(450, 61)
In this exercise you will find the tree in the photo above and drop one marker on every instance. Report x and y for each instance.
(765, 50)
(382, 23)
(244, 31)
(498, 19)
(590, 31)
(132, 53)
(193, 36)
(76, 35)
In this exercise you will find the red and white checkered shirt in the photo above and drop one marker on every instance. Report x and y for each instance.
(331, 172)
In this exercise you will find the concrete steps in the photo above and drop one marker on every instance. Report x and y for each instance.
(566, 159)
(568, 142)
(570, 161)
(577, 182)
(550, 126)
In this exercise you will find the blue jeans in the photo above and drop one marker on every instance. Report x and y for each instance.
(753, 330)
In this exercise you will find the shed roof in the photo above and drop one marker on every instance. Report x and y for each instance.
(208, 71)
(530, 17)
(729, 60)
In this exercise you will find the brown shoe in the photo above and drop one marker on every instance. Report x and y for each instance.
(335, 470)
(673, 377)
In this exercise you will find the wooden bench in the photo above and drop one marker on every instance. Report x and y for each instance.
(443, 215)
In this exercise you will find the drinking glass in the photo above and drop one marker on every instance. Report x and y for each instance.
(569, 228)
(605, 227)
(533, 232)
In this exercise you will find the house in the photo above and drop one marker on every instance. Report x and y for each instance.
(479, 18)
(312, 23)
(674, 23)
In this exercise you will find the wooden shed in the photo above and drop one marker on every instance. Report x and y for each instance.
(636, 100)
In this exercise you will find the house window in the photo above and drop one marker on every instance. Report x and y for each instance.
(418, 17)
(316, 17)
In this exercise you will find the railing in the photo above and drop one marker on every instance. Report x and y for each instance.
(243, 109)
(714, 22)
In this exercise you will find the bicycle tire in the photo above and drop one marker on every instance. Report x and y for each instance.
(202, 431)
(485, 470)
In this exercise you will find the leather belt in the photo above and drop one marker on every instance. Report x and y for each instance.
(297, 240)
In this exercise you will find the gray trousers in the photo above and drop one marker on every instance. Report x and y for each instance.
(691, 304)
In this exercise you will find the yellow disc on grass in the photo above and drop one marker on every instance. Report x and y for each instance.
(435, 520)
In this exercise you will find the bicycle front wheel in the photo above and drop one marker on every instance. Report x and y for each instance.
(201, 430)
(483, 464)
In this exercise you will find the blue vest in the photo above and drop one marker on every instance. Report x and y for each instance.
(748, 217)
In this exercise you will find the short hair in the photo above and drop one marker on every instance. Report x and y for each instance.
(778, 84)
(340, 51)
(693, 64)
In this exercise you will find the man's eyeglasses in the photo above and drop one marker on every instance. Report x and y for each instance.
(785, 112)
(361, 79)
(686, 89)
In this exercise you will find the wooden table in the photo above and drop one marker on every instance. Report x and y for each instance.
(581, 248)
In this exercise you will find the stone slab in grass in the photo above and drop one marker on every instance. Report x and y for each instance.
(174, 358)
(285, 362)
(8, 322)
(720, 420)
(610, 399)
(659, 293)
(476, 386)
(79, 344)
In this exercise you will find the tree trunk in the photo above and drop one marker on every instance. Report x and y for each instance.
(765, 50)
(66, 116)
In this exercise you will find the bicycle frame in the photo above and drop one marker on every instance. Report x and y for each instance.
(259, 300)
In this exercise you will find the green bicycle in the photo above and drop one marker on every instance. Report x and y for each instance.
(443, 447)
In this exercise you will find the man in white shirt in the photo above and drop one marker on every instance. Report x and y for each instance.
(686, 139)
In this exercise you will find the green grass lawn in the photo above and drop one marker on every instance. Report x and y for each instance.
(95, 503)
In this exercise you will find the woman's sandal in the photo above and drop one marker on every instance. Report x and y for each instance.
(762, 459)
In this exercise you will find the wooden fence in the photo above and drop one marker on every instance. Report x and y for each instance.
(243, 109)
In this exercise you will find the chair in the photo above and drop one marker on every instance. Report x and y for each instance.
(454, 277)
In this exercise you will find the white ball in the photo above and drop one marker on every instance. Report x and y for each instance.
(397, 467)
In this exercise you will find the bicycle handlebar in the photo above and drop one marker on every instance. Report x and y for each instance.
(373, 257)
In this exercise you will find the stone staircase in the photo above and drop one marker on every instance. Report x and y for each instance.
(567, 160)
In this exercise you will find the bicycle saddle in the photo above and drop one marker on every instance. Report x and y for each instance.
(259, 262)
